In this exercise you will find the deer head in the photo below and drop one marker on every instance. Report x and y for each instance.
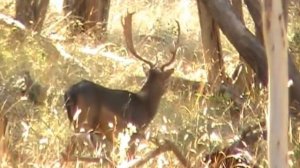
(157, 76)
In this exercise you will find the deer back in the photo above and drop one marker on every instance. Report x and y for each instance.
(88, 103)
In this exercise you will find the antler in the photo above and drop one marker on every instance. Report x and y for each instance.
(173, 52)
(127, 28)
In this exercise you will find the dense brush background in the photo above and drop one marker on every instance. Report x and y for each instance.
(198, 124)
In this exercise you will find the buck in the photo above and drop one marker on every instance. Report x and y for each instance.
(95, 109)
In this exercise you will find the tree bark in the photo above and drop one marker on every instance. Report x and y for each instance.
(254, 8)
(275, 38)
(212, 49)
(245, 79)
(238, 9)
(32, 13)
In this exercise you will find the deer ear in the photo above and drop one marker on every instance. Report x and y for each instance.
(169, 72)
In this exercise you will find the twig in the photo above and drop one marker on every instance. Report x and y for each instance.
(165, 147)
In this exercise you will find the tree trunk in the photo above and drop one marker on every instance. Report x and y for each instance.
(89, 12)
(241, 38)
(245, 78)
(32, 13)
(274, 29)
(254, 8)
(247, 45)
(238, 9)
(211, 47)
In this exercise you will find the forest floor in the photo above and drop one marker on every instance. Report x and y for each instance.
(198, 123)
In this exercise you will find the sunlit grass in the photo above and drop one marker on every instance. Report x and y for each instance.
(198, 124)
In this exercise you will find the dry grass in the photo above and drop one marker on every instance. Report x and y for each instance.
(198, 124)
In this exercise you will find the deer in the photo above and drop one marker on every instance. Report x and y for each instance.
(92, 108)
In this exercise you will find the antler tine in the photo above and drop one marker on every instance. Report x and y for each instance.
(127, 29)
(176, 45)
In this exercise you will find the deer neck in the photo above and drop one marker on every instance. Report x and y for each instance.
(151, 95)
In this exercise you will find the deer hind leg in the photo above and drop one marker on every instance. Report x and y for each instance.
(91, 140)
(70, 149)
(78, 141)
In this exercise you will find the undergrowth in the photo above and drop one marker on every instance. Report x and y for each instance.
(198, 124)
